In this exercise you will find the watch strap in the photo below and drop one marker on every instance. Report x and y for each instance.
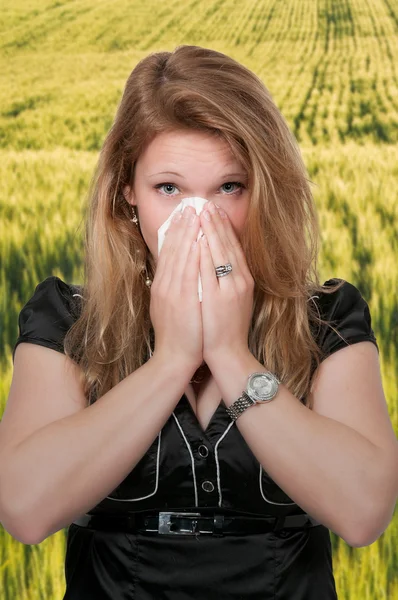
(240, 405)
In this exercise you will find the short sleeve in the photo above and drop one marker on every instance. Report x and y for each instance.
(348, 313)
(48, 314)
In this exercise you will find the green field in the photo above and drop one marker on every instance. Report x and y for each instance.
(331, 68)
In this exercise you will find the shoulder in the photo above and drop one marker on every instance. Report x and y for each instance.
(48, 314)
(348, 316)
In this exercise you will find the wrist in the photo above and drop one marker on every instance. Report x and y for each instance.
(176, 363)
(232, 360)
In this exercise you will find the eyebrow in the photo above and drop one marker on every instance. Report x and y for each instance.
(236, 174)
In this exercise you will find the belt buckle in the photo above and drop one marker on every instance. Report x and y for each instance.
(165, 523)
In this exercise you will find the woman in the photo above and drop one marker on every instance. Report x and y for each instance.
(198, 449)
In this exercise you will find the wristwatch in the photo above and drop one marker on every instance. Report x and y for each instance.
(260, 387)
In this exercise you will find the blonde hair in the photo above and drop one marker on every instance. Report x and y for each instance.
(167, 91)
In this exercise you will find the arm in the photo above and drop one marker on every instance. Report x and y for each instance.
(65, 468)
(328, 468)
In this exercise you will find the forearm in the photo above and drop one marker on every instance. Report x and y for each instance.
(327, 468)
(70, 465)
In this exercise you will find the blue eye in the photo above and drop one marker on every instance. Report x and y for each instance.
(240, 186)
(159, 185)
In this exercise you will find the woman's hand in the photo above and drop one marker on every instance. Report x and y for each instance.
(227, 302)
(174, 306)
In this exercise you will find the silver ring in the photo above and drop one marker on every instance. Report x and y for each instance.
(223, 270)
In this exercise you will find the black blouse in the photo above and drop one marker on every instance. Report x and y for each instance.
(188, 468)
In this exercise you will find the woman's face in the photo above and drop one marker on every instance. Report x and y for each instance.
(179, 164)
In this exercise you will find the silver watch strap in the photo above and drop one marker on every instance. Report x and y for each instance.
(240, 405)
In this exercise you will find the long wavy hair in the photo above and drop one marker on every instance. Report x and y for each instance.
(195, 88)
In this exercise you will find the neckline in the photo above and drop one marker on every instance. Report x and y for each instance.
(219, 410)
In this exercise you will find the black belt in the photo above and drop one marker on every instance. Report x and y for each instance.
(189, 523)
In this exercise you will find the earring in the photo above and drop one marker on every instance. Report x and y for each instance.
(134, 219)
(148, 281)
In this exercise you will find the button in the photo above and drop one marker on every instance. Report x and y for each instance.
(284, 533)
(203, 451)
(207, 486)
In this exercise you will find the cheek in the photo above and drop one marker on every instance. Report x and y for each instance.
(237, 221)
(150, 221)
(150, 232)
(152, 216)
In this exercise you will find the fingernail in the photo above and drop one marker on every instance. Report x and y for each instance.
(177, 217)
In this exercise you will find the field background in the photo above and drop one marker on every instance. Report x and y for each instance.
(331, 67)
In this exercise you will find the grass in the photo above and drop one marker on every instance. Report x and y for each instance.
(331, 69)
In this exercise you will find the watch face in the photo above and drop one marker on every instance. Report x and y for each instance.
(262, 386)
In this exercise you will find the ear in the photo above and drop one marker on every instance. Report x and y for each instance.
(129, 196)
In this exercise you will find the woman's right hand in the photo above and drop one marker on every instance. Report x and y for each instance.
(175, 309)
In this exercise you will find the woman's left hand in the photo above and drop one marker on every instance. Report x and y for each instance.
(227, 302)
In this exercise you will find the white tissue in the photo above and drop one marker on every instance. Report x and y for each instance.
(198, 204)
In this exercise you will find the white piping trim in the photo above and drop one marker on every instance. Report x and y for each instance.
(261, 468)
(217, 463)
(157, 464)
(156, 484)
(192, 459)
(266, 499)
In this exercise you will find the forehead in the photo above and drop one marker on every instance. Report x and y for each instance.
(187, 145)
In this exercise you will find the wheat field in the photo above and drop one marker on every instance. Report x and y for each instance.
(331, 67)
